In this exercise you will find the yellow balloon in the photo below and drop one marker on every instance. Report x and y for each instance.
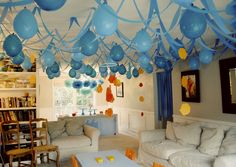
(99, 88)
(182, 53)
(184, 81)
(117, 82)
(185, 109)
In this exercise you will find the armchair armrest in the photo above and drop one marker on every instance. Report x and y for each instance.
(151, 135)
(225, 161)
(92, 133)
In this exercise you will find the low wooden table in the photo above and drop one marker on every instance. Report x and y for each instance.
(88, 159)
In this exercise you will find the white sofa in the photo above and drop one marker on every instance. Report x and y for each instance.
(198, 144)
(72, 136)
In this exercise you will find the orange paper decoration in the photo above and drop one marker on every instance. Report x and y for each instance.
(155, 164)
(112, 78)
(141, 99)
(109, 112)
(130, 153)
(140, 71)
(109, 95)
(99, 88)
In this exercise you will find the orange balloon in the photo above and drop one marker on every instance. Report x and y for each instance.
(112, 78)
(109, 112)
(117, 82)
(182, 53)
(109, 95)
(140, 71)
(141, 99)
(99, 88)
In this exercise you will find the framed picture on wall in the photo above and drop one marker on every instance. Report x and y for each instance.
(190, 86)
(120, 90)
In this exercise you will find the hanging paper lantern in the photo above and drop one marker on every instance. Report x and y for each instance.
(25, 24)
(104, 20)
(185, 109)
(182, 53)
(93, 84)
(122, 69)
(26, 63)
(117, 53)
(141, 99)
(89, 43)
(135, 73)
(143, 41)
(86, 84)
(144, 60)
(160, 62)
(50, 5)
(48, 58)
(76, 64)
(102, 69)
(192, 24)
(12, 45)
(72, 73)
(193, 63)
(205, 56)
(77, 56)
(99, 88)
(77, 84)
(18, 59)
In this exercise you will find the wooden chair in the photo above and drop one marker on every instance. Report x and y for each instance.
(39, 135)
(130, 153)
(11, 137)
(74, 161)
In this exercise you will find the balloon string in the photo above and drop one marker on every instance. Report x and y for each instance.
(120, 6)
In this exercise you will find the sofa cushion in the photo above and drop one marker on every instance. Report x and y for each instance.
(72, 141)
(229, 143)
(170, 134)
(211, 140)
(191, 158)
(74, 127)
(164, 149)
(188, 134)
(56, 129)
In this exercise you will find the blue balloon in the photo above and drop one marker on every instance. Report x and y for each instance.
(102, 69)
(77, 56)
(114, 69)
(89, 70)
(82, 70)
(93, 84)
(160, 62)
(50, 5)
(72, 73)
(26, 63)
(76, 64)
(144, 60)
(25, 24)
(231, 8)
(50, 76)
(205, 56)
(55, 68)
(149, 69)
(77, 75)
(89, 43)
(143, 41)
(12, 45)
(18, 59)
(122, 69)
(128, 75)
(135, 73)
(168, 66)
(105, 21)
(57, 74)
(194, 63)
(86, 83)
(192, 24)
(104, 75)
(77, 84)
(48, 58)
(48, 71)
(93, 74)
(117, 53)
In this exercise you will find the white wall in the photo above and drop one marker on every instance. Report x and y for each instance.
(210, 106)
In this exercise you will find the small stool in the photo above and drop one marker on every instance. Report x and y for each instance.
(130, 153)
(155, 164)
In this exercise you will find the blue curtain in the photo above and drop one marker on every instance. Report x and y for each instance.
(164, 97)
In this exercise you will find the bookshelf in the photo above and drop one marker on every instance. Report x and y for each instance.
(18, 91)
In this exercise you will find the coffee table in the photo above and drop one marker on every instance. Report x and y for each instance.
(88, 159)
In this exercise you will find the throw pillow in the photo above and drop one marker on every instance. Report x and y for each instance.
(211, 140)
(229, 143)
(56, 129)
(188, 134)
(74, 127)
(170, 134)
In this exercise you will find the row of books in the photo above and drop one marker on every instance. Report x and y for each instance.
(19, 115)
(16, 102)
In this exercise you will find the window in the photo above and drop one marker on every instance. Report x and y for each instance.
(69, 100)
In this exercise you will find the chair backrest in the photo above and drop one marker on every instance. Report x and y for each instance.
(10, 133)
(39, 131)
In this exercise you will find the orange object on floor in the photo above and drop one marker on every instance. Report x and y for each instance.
(155, 164)
(74, 161)
(109, 112)
(130, 153)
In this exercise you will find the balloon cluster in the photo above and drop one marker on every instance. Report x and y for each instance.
(131, 57)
